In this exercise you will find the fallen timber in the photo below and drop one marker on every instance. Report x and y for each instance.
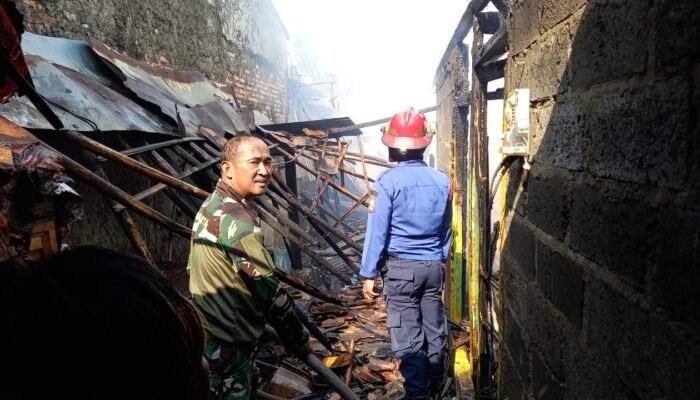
(163, 171)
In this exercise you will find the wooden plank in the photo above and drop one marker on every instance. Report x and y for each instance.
(489, 22)
(155, 146)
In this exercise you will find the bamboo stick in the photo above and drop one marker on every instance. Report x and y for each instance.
(99, 148)
(121, 196)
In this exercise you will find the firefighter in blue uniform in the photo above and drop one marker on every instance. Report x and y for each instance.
(409, 229)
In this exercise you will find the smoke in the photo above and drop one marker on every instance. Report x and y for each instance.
(381, 54)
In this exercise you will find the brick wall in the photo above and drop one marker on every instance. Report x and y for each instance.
(240, 42)
(601, 258)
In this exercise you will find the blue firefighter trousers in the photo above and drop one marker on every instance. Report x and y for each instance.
(416, 318)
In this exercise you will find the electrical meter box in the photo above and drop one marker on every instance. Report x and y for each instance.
(517, 116)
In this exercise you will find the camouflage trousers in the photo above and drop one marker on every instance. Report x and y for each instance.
(231, 372)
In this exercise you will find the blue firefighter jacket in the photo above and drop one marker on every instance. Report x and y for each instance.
(410, 216)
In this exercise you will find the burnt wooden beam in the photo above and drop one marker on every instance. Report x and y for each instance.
(494, 48)
(267, 212)
(501, 6)
(329, 229)
(461, 31)
(160, 186)
(316, 173)
(290, 176)
(354, 157)
(156, 146)
(138, 243)
(495, 95)
(492, 71)
(302, 286)
(489, 22)
(120, 196)
(344, 170)
(312, 254)
(99, 148)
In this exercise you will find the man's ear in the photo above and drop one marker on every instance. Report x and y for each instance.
(227, 169)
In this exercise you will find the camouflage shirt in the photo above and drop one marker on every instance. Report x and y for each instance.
(232, 277)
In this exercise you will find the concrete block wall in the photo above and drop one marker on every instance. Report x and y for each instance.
(601, 261)
(239, 42)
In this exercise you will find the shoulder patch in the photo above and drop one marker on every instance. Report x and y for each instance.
(372, 200)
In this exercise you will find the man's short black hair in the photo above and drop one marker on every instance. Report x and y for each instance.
(230, 150)
(396, 155)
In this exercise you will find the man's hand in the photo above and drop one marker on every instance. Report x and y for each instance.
(368, 289)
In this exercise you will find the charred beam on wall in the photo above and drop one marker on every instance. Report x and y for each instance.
(489, 22)
(501, 6)
(495, 95)
(494, 48)
(492, 71)
(462, 30)
(290, 175)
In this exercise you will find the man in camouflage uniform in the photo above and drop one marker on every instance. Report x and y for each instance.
(232, 277)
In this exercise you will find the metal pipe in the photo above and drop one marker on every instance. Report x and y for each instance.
(336, 383)
(259, 394)
(314, 330)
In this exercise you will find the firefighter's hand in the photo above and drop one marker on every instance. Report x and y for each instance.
(368, 289)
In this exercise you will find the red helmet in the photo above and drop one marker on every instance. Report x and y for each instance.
(407, 130)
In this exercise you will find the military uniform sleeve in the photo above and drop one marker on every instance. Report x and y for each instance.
(281, 314)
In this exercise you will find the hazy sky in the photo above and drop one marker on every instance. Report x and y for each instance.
(384, 53)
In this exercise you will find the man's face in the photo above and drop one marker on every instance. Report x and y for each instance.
(249, 173)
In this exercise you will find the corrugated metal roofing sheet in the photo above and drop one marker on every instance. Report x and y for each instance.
(201, 101)
(67, 73)
(106, 87)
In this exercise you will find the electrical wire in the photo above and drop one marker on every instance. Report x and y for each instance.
(498, 175)
(88, 121)
(503, 167)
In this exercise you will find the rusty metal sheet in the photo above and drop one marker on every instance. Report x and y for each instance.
(223, 117)
(74, 54)
(108, 109)
(200, 101)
